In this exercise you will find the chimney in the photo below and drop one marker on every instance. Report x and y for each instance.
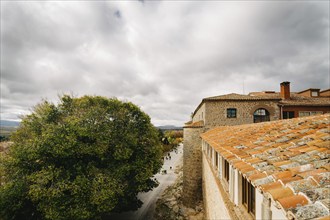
(285, 90)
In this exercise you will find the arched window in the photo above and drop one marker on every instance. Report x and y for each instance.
(260, 115)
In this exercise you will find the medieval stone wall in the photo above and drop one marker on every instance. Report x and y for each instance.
(192, 166)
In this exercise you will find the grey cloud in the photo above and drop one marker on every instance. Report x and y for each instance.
(164, 56)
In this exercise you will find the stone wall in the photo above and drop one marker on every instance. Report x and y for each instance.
(200, 114)
(213, 113)
(216, 112)
(192, 166)
(214, 204)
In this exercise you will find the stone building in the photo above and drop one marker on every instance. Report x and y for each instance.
(272, 170)
(236, 109)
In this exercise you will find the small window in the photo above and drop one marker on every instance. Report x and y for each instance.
(217, 159)
(288, 114)
(302, 114)
(226, 169)
(305, 113)
(316, 113)
(315, 93)
(231, 112)
(248, 196)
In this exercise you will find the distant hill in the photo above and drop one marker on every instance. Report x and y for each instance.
(169, 127)
(7, 123)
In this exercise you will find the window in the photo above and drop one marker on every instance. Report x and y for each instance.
(226, 167)
(216, 159)
(248, 196)
(260, 115)
(315, 93)
(288, 114)
(305, 113)
(316, 113)
(231, 112)
(244, 192)
(302, 114)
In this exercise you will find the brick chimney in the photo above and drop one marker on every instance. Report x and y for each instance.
(285, 90)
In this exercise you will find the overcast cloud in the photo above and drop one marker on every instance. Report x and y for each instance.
(164, 56)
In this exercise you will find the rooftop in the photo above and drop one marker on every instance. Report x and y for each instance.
(296, 99)
(287, 160)
(197, 124)
(234, 96)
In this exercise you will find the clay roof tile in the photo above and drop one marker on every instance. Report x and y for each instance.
(270, 186)
(290, 179)
(281, 192)
(282, 174)
(257, 176)
(285, 159)
(292, 201)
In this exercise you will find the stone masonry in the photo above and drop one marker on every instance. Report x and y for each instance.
(215, 113)
(192, 169)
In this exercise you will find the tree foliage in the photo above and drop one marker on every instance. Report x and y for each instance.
(170, 139)
(79, 159)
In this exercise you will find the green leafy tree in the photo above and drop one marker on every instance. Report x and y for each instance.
(79, 159)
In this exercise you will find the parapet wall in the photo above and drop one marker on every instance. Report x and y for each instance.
(192, 166)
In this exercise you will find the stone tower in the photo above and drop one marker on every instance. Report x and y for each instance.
(192, 164)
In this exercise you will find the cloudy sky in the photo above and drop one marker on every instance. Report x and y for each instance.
(164, 56)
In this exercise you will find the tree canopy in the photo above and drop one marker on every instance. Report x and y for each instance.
(79, 159)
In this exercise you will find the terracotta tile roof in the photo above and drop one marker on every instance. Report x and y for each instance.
(318, 194)
(299, 100)
(292, 201)
(197, 124)
(302, 185)
(287, 160)
(278, 193)
(309, 211)
(234, 96)
(323, 218)
(295, 99)
(323, 178)
(269, 186)
(290, 179)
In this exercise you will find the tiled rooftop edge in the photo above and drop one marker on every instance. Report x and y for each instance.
(293, 152)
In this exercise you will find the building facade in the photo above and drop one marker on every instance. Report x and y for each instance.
(235, 109)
